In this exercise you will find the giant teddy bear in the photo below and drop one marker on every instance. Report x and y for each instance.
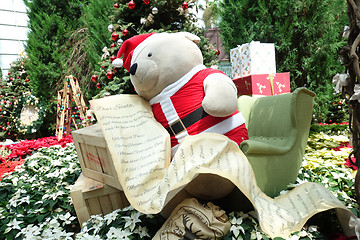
(186, 97)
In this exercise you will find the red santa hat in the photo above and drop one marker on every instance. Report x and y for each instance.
(130, 49)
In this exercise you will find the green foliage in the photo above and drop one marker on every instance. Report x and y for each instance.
(171, 17)
(50, 23)
(307, 36)
(86, 43)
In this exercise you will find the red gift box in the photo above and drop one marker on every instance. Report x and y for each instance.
(263, 84)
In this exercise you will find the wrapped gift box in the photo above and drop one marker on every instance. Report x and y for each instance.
(253, 58)
(263, 84)
(235, 62)
(91, 197)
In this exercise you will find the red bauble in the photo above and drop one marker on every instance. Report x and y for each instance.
(125, 32)
(94, 78)
(115, 37)
(110, 75)
(131, 4)
(98, 85)
(112, 58)
(116, 5)
(185, 5)
(147, 2)
(9, 73)
(112, 45)
(27, 80)
(11, 79)
(217, 52)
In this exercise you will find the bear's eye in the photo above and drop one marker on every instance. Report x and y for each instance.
(149, 54)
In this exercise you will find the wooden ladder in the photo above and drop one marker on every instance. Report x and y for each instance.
(70, 99)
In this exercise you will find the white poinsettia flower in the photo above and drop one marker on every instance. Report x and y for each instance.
(117, 233)
(14, 224)
(142, 231)
(132, 220)
(87, 236)
(110, 217)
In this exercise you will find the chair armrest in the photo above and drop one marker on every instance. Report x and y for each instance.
(256, 147)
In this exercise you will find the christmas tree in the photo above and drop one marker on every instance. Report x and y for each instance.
(132, 17)
(20, 112)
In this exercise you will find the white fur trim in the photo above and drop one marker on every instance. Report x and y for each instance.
(118, 62)
(229, 123)
(174, 87)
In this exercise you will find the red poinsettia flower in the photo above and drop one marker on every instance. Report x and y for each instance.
(20, 150)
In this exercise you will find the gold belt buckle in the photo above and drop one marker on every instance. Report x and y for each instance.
(182, 124)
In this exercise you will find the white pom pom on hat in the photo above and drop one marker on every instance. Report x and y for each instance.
(127, 49)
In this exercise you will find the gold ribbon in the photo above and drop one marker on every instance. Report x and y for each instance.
(271, 79)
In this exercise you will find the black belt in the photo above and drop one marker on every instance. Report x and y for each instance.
(181, 124)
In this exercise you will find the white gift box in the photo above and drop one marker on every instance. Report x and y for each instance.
(253, 58)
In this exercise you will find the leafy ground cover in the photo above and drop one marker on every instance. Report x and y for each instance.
(35, 202)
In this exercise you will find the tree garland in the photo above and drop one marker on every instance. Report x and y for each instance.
(28, 114)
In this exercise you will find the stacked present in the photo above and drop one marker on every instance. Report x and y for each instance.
(97, 190)
(254, 70)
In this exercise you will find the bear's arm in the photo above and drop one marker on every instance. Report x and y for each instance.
(220, 95)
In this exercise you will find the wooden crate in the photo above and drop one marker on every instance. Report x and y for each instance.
(94, 156)
(91, 197)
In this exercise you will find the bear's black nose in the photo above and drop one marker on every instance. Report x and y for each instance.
(133, 69)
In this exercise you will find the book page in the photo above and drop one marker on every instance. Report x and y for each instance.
(140, 149)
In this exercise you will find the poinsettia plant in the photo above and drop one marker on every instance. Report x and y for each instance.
(35, 202)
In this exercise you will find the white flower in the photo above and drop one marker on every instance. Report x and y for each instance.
(110, 217)
(256, 235)
(235, 226)
(86, 236)
(132, 220)
(14, 224)
(115, 233)
(142, 231)
(67, 218)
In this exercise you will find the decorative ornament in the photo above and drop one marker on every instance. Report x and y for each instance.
(185, 5)
(115, 37)
(112, 45)
(131, 4)
(106, 53)
(111, 28)
(28, 114)
(155, 10)
(116, 5)
(147, 2)
(112, 58)
(120, 41)
(98, 85)
(27, 80)
(142, 21)
(125, 32)
(94, 78)
(217, 52)
(110, 75)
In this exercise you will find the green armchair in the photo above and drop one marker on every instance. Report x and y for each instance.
(278, 129)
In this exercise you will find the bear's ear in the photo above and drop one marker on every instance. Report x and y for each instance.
(190, 36)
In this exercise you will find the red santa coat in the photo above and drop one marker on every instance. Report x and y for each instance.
(178, 108)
